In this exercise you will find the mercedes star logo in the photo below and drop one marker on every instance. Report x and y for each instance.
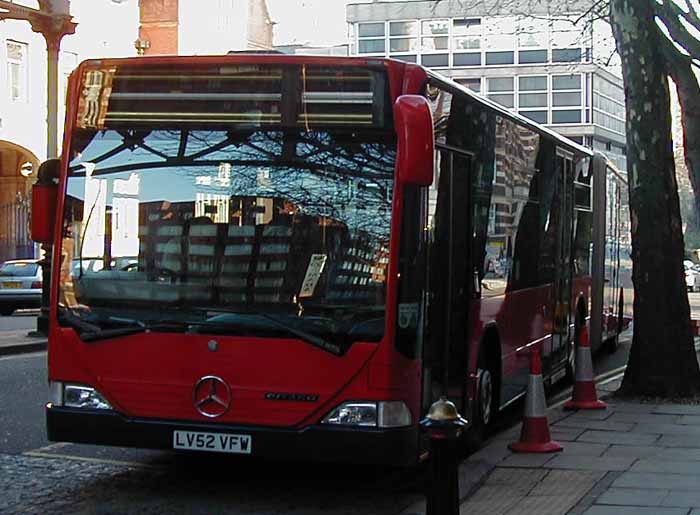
(211, 396)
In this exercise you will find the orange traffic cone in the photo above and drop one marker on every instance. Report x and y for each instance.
(584, 395)
(534, 435)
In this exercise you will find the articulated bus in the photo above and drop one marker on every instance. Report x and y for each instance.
(294, 256)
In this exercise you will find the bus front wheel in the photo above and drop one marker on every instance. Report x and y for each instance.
(484, 406)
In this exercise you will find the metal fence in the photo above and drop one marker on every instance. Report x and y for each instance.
(14, 230)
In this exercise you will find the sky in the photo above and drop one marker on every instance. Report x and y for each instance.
(317, 22)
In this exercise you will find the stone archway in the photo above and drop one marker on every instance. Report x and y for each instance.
(18, 169)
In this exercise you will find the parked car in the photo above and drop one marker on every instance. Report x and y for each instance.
(692, 276)
(20, 285)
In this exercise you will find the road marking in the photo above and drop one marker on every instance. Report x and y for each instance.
(22, 356)
(55, 455)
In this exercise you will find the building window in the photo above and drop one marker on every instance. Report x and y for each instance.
(532, 56)
(533, 32)
(499, 58)
(435, 60)
(566, 55)
(566, 98)
(470, 59)
(501, 90)
(17, 70)
(466, 34)
(370, 38)
(435, 35)
(473, 84)
(403, 36)
(532, 98)
(407, 58)
(499, 33)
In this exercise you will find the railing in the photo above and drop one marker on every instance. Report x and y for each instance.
(15, 241)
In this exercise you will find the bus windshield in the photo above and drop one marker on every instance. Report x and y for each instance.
(182, 218)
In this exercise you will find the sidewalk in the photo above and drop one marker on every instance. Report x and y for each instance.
(631, 458)
(17, 342)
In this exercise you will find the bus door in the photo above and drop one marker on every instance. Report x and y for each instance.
(561, 293)
(449, 266)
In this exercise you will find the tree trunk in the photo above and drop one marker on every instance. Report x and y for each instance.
(689, 98)
(662, 360)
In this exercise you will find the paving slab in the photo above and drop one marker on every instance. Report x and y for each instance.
(656, 464)
(633, 510)
(604, 464)
(668, 429)
(516, 478)
(632, 497)
(657, 481)
(494, 452)
(565, 434)
(631, 407)
(594, 414)
(600, 425)
(687, 419)
(612, 437)
(636, 451)
(678, 409)
(687, 441)
(583, 449)
(645, 418)
(535, 505)
(526, 460)
(566, 482)
(682, 499)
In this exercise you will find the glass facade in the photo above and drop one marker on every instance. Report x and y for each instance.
(551, 77)
(463, 42)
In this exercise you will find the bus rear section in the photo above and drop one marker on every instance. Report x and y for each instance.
(225, 274)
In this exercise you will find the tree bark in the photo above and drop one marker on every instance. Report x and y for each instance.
(689, 97)
(662, 360)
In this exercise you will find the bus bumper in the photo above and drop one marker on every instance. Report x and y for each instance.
(397, 447)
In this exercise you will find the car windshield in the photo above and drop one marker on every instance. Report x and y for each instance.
(18, 269)
(210, 224)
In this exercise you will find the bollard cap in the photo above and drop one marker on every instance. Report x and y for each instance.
(443, 410)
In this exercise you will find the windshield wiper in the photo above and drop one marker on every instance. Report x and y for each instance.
(313, 339)
(90, 332)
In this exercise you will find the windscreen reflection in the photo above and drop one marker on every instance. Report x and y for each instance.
(189, 224)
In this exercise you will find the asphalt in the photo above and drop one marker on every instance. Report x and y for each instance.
(18, 341)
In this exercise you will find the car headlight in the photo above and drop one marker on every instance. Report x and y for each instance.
(76, 396)
(370, 414)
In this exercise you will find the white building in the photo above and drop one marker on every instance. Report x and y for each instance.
(543, 62)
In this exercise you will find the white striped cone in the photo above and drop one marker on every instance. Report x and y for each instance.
(534, 435)
(584, 395)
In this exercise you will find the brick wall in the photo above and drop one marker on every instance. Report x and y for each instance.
(159, 25)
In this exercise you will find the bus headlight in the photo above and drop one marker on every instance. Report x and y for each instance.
(370, 414)
(81, 396)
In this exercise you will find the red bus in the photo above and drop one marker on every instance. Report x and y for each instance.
(293, 257)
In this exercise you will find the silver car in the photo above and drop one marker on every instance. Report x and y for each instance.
(20, 285)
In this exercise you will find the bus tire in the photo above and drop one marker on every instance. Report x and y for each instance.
(485, 405)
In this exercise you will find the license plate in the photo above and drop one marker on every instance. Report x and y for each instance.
(11, 285)
(212, 442)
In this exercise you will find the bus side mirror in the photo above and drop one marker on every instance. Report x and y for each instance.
(415, 140)
(44, 197)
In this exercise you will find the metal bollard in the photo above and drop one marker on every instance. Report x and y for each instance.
(444, 425)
